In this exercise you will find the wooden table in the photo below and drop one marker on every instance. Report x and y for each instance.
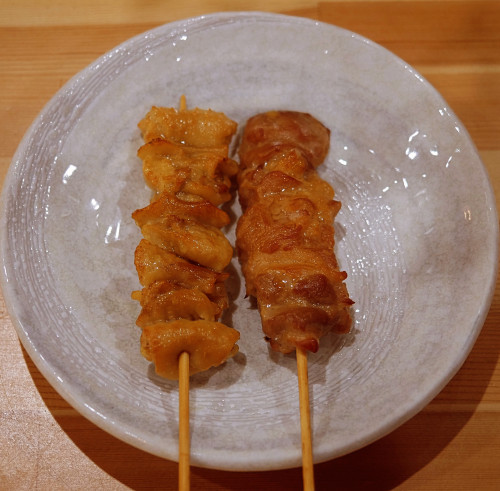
(454, 443)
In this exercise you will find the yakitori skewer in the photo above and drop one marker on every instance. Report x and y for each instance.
(181, 259)
(285, 242)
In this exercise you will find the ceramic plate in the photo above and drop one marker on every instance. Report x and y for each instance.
(417, 235)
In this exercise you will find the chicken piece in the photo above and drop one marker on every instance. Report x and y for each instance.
(174, 167)
(154, 263)
(285, 237)
(284, 174)
(284, 222)
(301, 309)
(276, 132)
(200, 244)
(166, 301)
(194, 128)
(182, 205)
(208, 343)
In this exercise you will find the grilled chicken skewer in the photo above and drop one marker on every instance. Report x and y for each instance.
(181, 259)
(285, 241)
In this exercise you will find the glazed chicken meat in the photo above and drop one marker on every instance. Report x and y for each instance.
(181, 259)
(285, 236)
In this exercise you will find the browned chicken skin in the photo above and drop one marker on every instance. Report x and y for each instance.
(285, 237)
(180, 260)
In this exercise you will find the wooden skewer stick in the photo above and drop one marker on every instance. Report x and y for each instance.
(184, 446)
(184, 438)
(305, 421)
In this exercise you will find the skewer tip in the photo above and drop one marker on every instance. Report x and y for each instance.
(182, 103)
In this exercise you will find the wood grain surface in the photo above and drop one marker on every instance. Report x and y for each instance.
(453, 444)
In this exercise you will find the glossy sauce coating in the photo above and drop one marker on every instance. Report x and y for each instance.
(285, 237)
(182, 256)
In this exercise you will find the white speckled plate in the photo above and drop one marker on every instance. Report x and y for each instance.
(417, 235)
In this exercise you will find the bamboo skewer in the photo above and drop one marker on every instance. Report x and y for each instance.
(184, 339)
(184, 444)
(184, 438)
(305, 421)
